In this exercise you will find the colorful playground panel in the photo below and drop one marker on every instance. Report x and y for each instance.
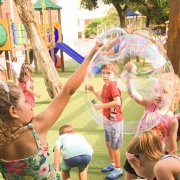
(19, 34)
(4, 35)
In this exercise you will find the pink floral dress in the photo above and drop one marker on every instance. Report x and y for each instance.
(36, 167)
(30, 97)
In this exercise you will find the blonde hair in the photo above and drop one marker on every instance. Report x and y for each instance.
(147, 143)
(6, 121)
(26, 71)
(170, 81)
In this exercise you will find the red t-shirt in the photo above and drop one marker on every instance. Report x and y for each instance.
(108, 92)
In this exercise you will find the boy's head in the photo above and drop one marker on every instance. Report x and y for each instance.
(14, 59)
(66, 129)
(113, 66)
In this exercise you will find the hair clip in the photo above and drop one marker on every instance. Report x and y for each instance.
(5, 86)
(70, 131)
(129, 155)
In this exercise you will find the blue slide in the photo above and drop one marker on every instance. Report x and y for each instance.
(69, 51)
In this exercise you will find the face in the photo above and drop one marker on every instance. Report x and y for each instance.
(25, 111)
(108, 76)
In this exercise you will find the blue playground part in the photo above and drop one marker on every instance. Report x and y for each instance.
(69, 51)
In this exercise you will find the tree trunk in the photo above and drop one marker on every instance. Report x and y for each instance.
(173, 46)
(121, 13)
(51, 78)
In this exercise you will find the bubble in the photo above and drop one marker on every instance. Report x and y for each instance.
(152, 75)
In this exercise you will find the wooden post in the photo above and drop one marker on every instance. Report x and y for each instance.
(61, 52)
(173, 46)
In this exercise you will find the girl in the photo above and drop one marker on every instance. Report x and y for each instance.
(26, 83)
(25, 153)
(169, 124)
(75, 151)
(146, 156)
(16, 68)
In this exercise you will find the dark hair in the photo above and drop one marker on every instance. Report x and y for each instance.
(8, 99)
(26, 71)
(66, 129)
(112, 66)
(14, 59)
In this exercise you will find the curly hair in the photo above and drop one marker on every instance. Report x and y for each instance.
(8, 99)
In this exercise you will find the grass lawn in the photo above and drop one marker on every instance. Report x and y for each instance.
(78, 116)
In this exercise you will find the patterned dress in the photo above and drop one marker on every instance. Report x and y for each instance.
(36, 167)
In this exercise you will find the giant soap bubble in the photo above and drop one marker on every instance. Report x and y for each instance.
(153, 74)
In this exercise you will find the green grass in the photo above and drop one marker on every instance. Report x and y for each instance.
(76, 114)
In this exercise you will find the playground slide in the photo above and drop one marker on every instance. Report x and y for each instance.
(69, 51)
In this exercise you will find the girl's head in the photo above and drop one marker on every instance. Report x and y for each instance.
(26, 71)
(14, 59)
(10, 95)
(66, 129)
(167, 85)
(146, 144)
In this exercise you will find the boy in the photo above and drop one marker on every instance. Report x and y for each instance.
(112, 113)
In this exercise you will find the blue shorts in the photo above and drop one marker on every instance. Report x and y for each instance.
(115, 135)
(80, 162)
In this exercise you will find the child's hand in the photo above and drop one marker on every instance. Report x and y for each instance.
(97, 106)
(89, 87)
(130, 67)
(38, 95)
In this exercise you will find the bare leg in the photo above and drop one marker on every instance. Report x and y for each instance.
(117, 157)
(82, 174)
(110, 152)
(65, 175)
(129, 176)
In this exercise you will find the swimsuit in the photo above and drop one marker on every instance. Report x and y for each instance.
(36, 167)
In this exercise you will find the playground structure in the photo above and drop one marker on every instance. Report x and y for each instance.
(14, 37)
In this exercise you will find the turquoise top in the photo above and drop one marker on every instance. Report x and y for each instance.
(72, 145)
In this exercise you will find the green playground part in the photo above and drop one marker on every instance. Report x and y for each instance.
(3, 36)
(31, 57)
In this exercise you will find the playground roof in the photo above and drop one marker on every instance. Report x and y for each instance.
(131, 13)
(48, 3)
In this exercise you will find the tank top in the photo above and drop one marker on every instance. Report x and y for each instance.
(36, 167)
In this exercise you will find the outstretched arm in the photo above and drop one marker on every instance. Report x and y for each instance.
(133, 93)
(47, 118)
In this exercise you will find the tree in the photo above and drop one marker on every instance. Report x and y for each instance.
(173, 46)
(119, 5)
(26, 13)
(151, 8)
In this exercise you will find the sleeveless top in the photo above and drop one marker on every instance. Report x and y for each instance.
(173, 156)
(36, 167)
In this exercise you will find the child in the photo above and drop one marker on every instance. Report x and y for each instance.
(76, 152)
(16, 68)
(169, 125)
(111, 102)
(145, 154)
(25, 153)
(26, 83)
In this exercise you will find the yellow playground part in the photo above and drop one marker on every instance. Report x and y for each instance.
(4, 35)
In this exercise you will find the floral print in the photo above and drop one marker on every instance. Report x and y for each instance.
(36, 167)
